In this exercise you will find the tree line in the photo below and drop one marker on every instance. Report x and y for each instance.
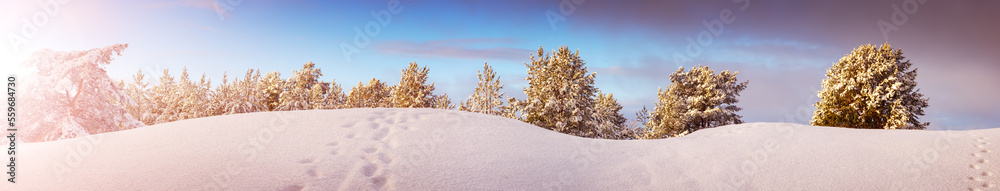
(869, 88)
(872, 87)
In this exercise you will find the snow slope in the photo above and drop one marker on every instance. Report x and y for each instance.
(425, 149)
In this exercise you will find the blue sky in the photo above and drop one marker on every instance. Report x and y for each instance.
(782, 47)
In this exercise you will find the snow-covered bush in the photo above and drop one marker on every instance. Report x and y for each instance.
(695, 99)
(871, 88)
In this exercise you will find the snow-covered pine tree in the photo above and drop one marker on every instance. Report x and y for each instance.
(71, 95)
(441, 102)
(273, 86)
(695, 99)
(666, 119)
(373, 95)
(871, 88)
(220, 95)
(610, 122)
(638, 126)
(166, 99)
(242, 96)
(334, 97)
(204, 97)
(141, 103)
(487, 97)
(560, 93)
(514, 109)
(297, 92)
(317, 99)
(412, 91)
(192, 97)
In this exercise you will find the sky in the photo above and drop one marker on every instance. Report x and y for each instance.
(783, 48)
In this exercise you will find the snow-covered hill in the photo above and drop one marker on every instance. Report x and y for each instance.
(425, 149)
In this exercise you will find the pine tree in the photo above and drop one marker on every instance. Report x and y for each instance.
(487, 97)
(71, 95)
(373, 95)
(298, 91)
(139, 104)
(334, 97)
(695, 99)
(317, 99)
(204, 97)
(166, 99)
(192, 97)
(442, 102)
(560, 93)
(243, 96)
(610, 122)
(666, 119)
(222, 91)
(412, 91)
(871, 88)
(638, 126)
(514, 109)
(273, 86)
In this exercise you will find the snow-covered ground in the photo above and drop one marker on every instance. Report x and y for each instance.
(425, 149)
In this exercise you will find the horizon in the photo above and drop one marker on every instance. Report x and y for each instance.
(782, 49)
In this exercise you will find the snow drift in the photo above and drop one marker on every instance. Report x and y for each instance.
(426, 149)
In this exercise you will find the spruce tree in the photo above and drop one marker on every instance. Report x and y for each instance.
(71, 95)
(487, 97)
(871, 88)
(560, 93)
(695, 99)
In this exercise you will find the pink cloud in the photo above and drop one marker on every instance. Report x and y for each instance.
(201, 4)
(457, 48)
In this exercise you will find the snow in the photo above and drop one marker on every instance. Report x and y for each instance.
(426, 149)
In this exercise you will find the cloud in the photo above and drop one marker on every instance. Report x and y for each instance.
(200, 4)
(475, 48)
(783, 78)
